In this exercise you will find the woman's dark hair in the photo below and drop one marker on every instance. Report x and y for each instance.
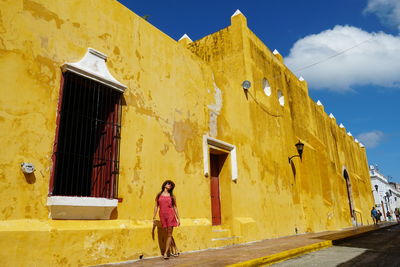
(170, 191)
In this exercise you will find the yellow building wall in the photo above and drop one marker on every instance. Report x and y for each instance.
(315, 197)
(177, 92)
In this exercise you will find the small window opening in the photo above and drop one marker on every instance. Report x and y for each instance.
(266, 87)
(281, 98)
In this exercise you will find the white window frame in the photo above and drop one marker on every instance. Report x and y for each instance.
(92, 66)
(207, 141)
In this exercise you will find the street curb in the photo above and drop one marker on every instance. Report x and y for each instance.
(288, 254)
(284, 255)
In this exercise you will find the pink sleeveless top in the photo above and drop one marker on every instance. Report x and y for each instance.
(167, 212)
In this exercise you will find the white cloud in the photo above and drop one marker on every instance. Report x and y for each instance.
(374, 59)
(388, 11)
(371, 139)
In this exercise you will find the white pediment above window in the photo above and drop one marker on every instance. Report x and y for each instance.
(93, 66)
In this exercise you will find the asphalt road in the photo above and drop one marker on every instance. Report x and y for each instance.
(379, 248)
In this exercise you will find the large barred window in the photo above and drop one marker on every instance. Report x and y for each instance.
(84, 180)
(87, 147)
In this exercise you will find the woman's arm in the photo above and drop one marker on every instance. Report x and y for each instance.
(155, 210)
(176, 211)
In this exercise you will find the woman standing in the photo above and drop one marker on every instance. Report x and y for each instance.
(169, 216)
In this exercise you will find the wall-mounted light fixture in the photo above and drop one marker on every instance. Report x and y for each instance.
(246, 85)
(299, 147)
(376, 187)
(27, 168)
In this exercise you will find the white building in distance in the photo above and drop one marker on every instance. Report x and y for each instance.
(386, 195)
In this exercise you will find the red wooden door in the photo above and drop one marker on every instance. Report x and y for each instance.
(103, 175)
(214, 189)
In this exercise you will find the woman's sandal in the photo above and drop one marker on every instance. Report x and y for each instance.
(165, 257)
(176, 254)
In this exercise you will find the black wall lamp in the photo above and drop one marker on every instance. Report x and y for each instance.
(299, 147)
(376, 187)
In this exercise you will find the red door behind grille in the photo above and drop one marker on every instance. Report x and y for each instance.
(214, 189)
(104, 167)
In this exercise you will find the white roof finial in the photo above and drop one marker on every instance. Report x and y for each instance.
(356, 140)
(275, 52)
(319, 103)
(185, 36)
(331, 116)
(349, 134)
(301, 79)
(341, 125)
(361, 145)
(237, 12)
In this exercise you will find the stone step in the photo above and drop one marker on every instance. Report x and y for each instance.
(220, 233)
(225, 241)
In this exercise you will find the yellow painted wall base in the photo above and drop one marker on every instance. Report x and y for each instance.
(44, 243)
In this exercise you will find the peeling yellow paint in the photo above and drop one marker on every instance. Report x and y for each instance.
(182, 132)
(40, 11)
(165, 149)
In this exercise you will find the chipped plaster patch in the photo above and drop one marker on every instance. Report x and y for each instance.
(215, 110)
(139, 144)
(41, 12)
(165, 149)
(182, 133)
(97, 248)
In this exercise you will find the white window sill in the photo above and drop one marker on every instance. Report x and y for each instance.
(81, 208)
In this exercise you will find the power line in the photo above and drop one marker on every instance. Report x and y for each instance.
(335, 55)
(262, 106)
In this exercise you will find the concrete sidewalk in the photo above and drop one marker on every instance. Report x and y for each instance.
(264, 252)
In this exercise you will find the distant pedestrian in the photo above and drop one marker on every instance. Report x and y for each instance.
(397, 214)
(374, 215)
(169, 217)
(379, 215)
(389, 215)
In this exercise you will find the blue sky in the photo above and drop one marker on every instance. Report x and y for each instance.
(355, 43)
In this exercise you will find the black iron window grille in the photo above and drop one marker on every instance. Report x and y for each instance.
(86, 154)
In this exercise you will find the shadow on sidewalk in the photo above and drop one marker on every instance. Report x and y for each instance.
(382, 248)
(161, 235)
(349, 233)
